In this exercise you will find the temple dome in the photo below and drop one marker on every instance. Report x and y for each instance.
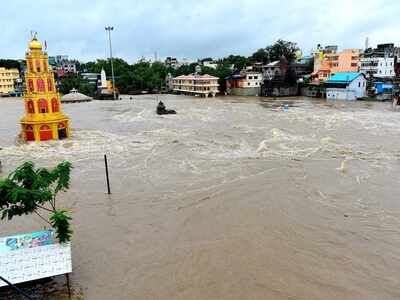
(35, 45)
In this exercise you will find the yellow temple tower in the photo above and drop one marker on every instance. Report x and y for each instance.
(44, 119)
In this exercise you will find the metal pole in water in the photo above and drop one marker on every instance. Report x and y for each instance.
(109, 29)
(108, 180)
(68, 286)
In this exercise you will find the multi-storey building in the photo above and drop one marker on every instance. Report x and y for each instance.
(329, 61)
(246, 83)
(210, 64)
(62, 65)
(194, 84)
(379, 67)
(380, 62)
(275, 69)
(171, 62)
(8, 79)
(68, 66)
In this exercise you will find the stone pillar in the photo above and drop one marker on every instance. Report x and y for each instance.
(36, 132)
(54, 129)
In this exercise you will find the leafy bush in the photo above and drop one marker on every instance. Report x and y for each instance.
(28, 190)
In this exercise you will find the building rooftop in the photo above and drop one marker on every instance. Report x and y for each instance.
(196, 77)
(75, 96)
(343, 77)
(273, 64)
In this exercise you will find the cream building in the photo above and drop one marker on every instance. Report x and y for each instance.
(7, 80)
(194, 84)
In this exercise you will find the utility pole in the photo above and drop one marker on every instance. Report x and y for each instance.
(109, 29)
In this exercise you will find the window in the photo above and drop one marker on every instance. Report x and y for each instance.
(354, 64)
(37, 65)
(29, 133)
(54, 105)
(248, 83)
(44, 128)
(49, 84)
(43, 107)
(250, 77)
(30, 85)
(359, 84)
(29, 107)
(255, 77)
(40, 85)
(30, 65)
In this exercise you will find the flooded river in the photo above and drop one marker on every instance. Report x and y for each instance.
(232, 198)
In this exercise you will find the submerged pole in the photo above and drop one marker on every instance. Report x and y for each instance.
(68, 286)
(108, 180)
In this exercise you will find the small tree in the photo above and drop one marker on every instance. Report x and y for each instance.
(28, 190)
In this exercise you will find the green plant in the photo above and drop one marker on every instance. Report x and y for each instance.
(28, 190)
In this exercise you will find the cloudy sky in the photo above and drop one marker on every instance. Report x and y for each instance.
(193, 29)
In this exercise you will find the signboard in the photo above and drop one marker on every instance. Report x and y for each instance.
(34, 255)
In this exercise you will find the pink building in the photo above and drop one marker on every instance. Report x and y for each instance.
(330, 62)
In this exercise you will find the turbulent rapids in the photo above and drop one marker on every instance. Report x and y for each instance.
(231, 198)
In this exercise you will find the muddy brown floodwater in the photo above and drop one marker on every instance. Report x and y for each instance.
(231, 198)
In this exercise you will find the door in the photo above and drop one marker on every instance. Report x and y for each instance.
(29, 133)
(45, 133)
(62, 131)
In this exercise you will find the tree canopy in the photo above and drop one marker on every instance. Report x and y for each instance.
(76, 81)
(282, 48)
(10, 64)
(28, 190)
(275, 52)
(261, 55)
(131, 78)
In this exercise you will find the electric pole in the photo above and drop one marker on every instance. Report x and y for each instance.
(109, 29)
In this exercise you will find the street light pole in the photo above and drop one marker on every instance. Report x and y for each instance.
(109, 29)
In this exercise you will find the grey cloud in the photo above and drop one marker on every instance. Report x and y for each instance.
(193, 29)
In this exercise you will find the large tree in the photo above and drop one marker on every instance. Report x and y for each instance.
(239, 62)
(75, 81)
(282, 48)
(10, 64)
(261, 55)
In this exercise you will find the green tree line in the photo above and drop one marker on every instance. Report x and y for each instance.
(131, 78)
